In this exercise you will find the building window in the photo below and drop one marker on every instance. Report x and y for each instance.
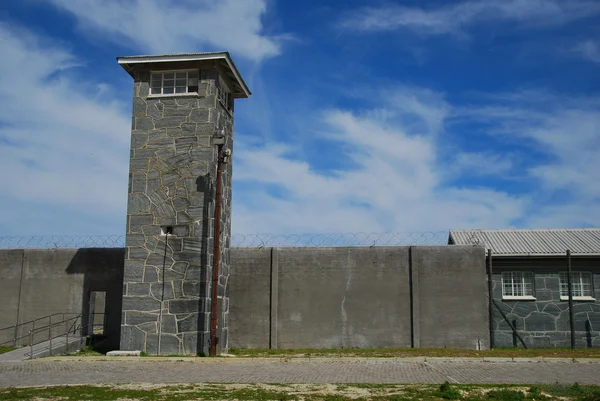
(175, 82)
(225, 98)
(517, 285)
(581, 282)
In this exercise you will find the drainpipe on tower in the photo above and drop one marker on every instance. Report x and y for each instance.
(222, 154)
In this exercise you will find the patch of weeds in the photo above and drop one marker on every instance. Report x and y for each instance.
(447, 392)
(78, 393)
(87, 351)
(506, 395)
(4, 349)
(593, 396)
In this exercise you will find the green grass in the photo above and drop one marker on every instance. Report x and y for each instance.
(314, 392)
(4, 349)
(425, 352)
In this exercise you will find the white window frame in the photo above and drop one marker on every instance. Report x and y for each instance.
(518, 277)
(162, 85)
(577, 282)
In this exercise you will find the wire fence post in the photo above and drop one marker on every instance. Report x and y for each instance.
(490, 298)
(569, 283)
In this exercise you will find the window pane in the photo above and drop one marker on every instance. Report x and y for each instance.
(193, 82)
(192, 89)
(181, 75)
(180, 89)
(193, 74)
(169, 90)
(169, 75)
(155, 84)
(168, 82)
(181, 82)
(155, 91)
(156, 77)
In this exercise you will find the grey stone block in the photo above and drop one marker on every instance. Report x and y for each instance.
(157, 290)
(194, 288)
(155, 110)
(150, 274)
(138, 204)
(177, 112)
(169, 344)
(552, 309)
(169, 122)
(524, 308)
(594, 318)
(136, 222)
(137, 253)
(543, 294)
(135, 240)
(144, 304)
(198, 116)
(138, 288)
(190, 343)
(133, 271)
(188, 323)
(139, 140)
(169, 324)
(205, 129)
(135, 318)
(139, 107)
(538, 321)
(192, 257)
(180, 306)
(144, 123)
(132, 339)
(150, 328)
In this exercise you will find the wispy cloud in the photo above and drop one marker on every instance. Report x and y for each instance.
(59, 146)
(159, 26)
(590, 50)
(453, 19)
(561, 136)
(395, 182)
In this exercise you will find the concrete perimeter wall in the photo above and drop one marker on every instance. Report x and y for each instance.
(284, 297)
(39, 282)
(430, 296)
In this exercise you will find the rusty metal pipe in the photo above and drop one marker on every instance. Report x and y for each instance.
(216, 255)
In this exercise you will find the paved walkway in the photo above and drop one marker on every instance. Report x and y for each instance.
(361, 370)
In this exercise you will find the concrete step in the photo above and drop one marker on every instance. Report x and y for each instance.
(57, 346)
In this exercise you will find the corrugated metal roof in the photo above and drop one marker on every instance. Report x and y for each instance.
(532, 242)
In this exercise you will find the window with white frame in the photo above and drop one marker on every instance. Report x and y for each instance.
(581, 285)
(517, 285)
(174, 82)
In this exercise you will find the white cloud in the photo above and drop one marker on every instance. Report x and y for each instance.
(165, 26)
(566, 132)
(452, 19)
(59, 146)
(589, 49)
(395, 183)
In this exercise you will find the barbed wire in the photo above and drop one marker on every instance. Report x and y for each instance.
(242, 240)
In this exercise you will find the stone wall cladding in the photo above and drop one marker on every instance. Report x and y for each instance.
(544, 323)
(172, 183)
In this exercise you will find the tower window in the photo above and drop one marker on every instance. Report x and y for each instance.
(175, 82)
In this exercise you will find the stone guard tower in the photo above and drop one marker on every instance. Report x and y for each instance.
(182, 130)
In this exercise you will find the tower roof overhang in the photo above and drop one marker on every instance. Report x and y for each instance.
(223, 59)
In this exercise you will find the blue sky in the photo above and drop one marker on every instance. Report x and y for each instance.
(366, 116)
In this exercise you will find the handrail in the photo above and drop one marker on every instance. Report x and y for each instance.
(49, 326)
(70, 327)
(39, 318)
(15, 327)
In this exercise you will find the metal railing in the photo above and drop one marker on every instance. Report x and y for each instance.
(66, 326)
(14, 330)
